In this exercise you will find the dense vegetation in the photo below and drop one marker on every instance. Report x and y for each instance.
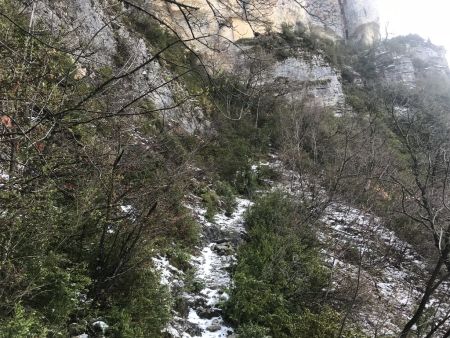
(280, 279)
(84, 205)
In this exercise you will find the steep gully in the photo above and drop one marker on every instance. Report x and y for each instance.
(386, 276)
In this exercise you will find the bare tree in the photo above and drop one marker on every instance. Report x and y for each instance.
(421, 127)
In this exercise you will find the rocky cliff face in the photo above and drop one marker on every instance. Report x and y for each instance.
(93, 28)
(349, 19)
(102, 43)
(90, 28)
(323, 83)
(331, 20)
(361, 20)
(407, 60)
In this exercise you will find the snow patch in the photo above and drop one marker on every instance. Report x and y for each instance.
(168, 273)
(212, 271)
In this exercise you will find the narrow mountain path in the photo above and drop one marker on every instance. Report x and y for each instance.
(215, 256)
(220, 239)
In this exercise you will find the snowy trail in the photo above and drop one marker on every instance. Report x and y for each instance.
(212, 266)
(215, 256)
(392, 274)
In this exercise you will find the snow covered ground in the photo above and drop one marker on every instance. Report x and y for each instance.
(366, 260)
(212, 267)
(220, 238)
(391, 273)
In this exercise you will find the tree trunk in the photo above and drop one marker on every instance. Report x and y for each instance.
(430, 288)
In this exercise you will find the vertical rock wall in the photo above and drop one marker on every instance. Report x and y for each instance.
(98, 39)
(361, 20)
(355, 19)
(410, 59)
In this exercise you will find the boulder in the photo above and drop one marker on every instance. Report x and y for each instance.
(194, 330)
(215, 326)
(224, 249)
(208, 312)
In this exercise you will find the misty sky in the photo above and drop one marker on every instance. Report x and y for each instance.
(430, 19)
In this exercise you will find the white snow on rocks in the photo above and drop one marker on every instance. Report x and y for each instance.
(168, 273)
(235, 223)
(212, 270)
(216, 255)
(126, 208)
(4, 177)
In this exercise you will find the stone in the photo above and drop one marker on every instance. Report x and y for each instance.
(199, 302)
(193, 329)
(80, 73)
(208, 312)
(362, 21)
(224, 249)
(323, 81)
(417, 59)
(100, 326)
(215, 326)
(333, 19)
(86, 26)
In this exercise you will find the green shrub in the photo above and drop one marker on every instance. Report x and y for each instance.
(62, 284)
(245, 126)
(211, 201)
(326, 323)
(288, 33)
(227, 196)
(23, 324)
(279, 274)
(143, 311)
(246, 181)
(253, 331)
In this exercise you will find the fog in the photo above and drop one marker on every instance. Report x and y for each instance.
(429, 19)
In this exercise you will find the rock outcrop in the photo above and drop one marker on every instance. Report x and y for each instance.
(100, 42)
(407, 60)
(99, 38)
(314, 78)
(230, 21)
(361, 21)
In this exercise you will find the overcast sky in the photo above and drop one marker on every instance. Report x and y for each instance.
(429, 19)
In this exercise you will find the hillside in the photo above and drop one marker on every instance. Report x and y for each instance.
(211, 168)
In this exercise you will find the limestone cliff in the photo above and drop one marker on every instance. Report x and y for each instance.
(101, 43)
(221, 23)
(92, 27)
(361, 20)
(407, 60)
(228, 20)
